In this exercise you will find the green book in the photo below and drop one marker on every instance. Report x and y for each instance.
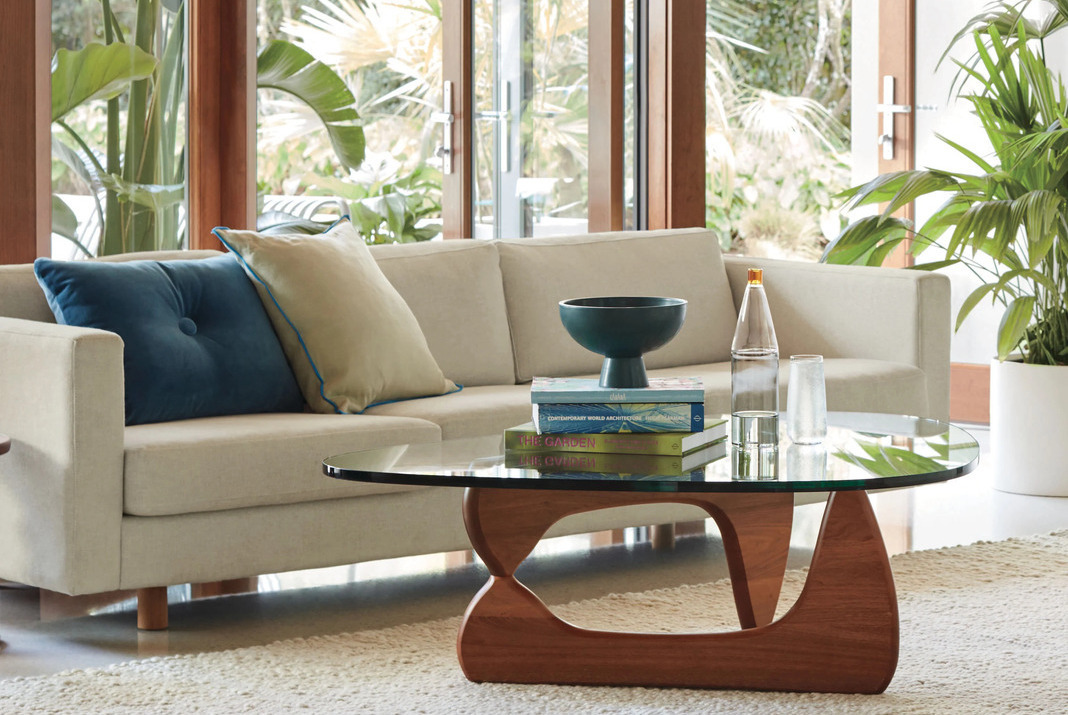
(526, 438)
(557, 462)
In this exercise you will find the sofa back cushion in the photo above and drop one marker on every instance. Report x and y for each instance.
(196, 340)
(21, 296)
(677, 263)
(454, 289)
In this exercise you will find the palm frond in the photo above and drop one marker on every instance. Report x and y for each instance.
(866, 241)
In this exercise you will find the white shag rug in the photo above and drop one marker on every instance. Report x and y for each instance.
(984, 629)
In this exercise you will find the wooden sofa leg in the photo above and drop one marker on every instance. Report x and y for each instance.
(152, 608)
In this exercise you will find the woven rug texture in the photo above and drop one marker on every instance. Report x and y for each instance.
(984, 629)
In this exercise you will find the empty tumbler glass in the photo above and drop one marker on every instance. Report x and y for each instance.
(806, 400)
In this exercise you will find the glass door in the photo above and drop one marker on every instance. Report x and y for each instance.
(377, 66)
(530, 65)
(119, 117)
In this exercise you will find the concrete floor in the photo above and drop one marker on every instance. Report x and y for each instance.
(46, 633)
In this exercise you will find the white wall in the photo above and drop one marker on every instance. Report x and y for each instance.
(937, 21)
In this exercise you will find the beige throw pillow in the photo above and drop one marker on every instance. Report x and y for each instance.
(350, 338)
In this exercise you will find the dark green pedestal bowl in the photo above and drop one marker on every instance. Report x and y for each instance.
(623, 329)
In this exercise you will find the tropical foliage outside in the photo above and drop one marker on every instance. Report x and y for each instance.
(389, 54)
(776, 142)
(128, 156)
(757, 113)
(778, 90)
(134, 175)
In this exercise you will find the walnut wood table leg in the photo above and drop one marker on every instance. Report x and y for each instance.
(756, 537)
(505, 525)
(840, 636)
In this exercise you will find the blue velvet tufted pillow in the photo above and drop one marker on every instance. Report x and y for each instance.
(197, 340)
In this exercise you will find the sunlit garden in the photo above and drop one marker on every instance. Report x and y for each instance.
(347, 90)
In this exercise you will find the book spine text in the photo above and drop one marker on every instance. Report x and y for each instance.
(648, 443)
(619, 417)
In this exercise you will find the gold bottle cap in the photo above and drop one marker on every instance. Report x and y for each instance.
(756, 276)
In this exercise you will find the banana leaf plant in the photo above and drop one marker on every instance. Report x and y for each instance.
(141, 171)
(388, 205)
(1008, 221)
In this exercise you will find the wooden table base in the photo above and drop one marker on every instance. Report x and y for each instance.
(840, 636)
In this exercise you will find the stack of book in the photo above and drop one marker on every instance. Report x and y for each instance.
(580, 426)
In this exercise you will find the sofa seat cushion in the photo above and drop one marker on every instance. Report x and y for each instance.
(853, 385)
(234, 462)
(473, 412)
(679, 263)
(454, 289)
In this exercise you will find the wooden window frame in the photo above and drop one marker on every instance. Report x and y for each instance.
(897, 59)
(457, 205)
(222, 114)
(676, 114)
(606, 170)
(222, 118)
(25, 142)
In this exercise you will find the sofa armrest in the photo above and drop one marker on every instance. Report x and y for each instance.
(61, 402)
(858, 312)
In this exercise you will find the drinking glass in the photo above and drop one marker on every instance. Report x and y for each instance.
(806, 400)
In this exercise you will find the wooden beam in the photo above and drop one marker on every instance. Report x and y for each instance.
(222, 118)
(457, 20)
(676, 114)
(25, 140)
(606, 115)
(969, 393)
(897, 59)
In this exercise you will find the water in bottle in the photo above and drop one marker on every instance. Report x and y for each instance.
(755, 374)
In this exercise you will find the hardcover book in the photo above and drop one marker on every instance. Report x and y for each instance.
(585, 389)
(619, 417)
(616, 463)
(526, 437)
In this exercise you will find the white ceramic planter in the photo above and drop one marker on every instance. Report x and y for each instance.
(1029, 428)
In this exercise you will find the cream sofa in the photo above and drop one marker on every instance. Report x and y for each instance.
(88, 505)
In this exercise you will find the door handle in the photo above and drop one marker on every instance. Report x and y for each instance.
(446, 118)
(888, 110)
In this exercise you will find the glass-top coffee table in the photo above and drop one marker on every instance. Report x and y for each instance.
(840, 636)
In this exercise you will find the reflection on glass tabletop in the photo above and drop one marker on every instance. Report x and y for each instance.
(861, 451)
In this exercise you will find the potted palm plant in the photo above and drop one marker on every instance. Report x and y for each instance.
(1008, 223)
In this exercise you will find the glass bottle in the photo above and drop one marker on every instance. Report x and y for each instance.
(755, 371)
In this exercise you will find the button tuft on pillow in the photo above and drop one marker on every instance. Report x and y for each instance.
(187, 326)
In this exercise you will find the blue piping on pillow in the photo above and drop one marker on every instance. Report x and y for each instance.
(300, 338)
(405, 399)
(274, 300)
